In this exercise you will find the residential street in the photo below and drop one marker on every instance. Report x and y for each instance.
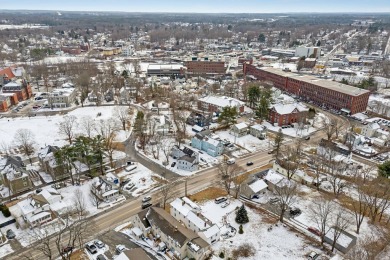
(112, 218)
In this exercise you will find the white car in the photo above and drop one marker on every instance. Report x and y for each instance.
(225, 204)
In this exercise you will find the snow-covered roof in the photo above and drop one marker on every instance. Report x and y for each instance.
(190, 203)
(212, 142)
(213, 230)
(38, 216)
(284, 109)
(110, 192)
(258, 127)
(178, 205)
(197, 221)
(136, 231)
(240, 126)
(258, 185)
(273, 177)
(222, 101)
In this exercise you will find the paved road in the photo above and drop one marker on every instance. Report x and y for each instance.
(115, 217)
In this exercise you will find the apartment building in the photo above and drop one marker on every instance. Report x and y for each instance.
(205, 67)
(189, 213)
(20, 87)
(169, 234)
(334, 95)
(14, 175)
(287, 114)
(63, 97)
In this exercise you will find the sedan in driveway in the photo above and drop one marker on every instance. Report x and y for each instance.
(10, 234)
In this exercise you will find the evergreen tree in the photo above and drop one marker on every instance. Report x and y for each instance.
(242, 215)
(240, 230)
(228, 116)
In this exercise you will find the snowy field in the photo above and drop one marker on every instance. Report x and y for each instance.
(45, 129)
(279, 243)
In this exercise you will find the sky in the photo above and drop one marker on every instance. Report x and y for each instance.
(202, 6)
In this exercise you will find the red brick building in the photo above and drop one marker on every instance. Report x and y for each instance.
(287, 114)
(205, 67)
(21, 88)
(322, 92)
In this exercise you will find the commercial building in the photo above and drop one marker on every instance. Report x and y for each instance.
(21, 88)
(165, 70)
(331, 94)
(205, 67)
(217, 103)
(308, 52)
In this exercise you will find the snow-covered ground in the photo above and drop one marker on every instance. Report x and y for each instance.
(45, 129)
(249, 142)
(278, 243)
(142, 179)
(294, 132)
(5, 250)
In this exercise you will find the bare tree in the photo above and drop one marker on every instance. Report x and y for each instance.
(4, 148)
(165, 145)
(45, 239)
(87, 125)
(67, 127)
(228, 173)
(108, 129)
(320, 213)
(166, 192)
(286, 194)
(24, 138)
(377, 197)
(95, 200)
(122, 113)
(341, 222)
(79, 203)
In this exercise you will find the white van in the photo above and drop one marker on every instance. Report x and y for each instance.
(231, 161)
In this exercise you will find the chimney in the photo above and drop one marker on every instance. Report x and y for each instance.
(205, 224)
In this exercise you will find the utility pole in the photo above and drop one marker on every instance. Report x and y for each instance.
(185, 187)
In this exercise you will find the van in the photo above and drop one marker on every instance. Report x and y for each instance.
(220, 200)
(231, 161)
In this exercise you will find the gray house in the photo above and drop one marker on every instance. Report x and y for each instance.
(203, 141)
(187, 159)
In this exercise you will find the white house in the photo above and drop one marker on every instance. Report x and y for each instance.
(187, 159)
(106, 187)
(189, 213)
(36, 210)
(239, 129)
(258, 131)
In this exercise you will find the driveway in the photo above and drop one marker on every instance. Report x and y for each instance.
(113, 238)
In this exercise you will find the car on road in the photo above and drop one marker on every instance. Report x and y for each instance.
(146, 205)
(120, 248)
(146, 199)
(307, 138)
(225, 204)
(249, 163)
(99, 243)
(173, 164)
(91, 248)
(270, 152)
(10, 234)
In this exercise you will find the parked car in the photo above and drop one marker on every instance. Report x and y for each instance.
(225, 204)
(256, 196)
(173, 164)
(314, 231)
(10, 234)
(38, 190)
(313, 255)
(146, 199)
(99, 243)
(120, 248)
(249, 163)
(101, 257)
(295, 211)
(146, 205)
(270, 152)
(220, 200)
(307, 138)
(67, 249)
(91, 248)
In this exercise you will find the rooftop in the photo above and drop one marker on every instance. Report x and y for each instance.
(329, 84)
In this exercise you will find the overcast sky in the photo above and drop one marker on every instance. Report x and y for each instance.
(203, 6)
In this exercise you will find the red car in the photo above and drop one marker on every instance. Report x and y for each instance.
(314, 231)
